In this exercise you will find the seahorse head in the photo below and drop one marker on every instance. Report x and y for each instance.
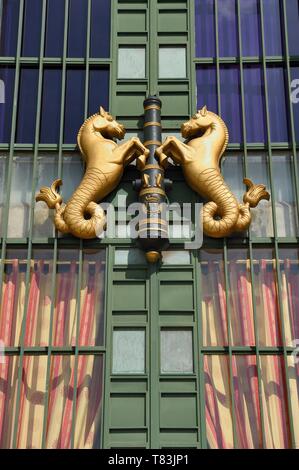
(105, 123)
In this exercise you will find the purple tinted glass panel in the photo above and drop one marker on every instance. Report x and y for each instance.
(9, 27)
(292, 7)
(250, 25)
(228, 28)
(7, 77)
(50, 118)
(272, 26)
(207, 88)
(205, 28)
(100, 28)
(74, 104)
(277, 104)
(77, 28)
(230, 101)
(54, 28)
(254, 104)
(27, 106)
(295, 99)
(32, 28)
(98, 90)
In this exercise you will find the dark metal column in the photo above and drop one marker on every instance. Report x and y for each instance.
(153, 226)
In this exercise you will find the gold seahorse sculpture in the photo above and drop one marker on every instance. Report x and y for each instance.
(206, 140)
(105, 162)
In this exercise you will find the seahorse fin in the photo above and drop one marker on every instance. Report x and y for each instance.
(50, 195)
(255, 193)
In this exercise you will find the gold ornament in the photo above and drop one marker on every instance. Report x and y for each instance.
(105, 162)
(206, 140)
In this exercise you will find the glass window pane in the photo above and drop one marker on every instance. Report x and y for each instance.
(285, 204)
(3, 160)
(92, 298)
(213, 304)
(277, 104)
(7, 81)
(27, 106)
(54, 28)
(228, 28)
(9, 27)
(98, 95)
(176, 257)
(172, 62)
(128, 351)
(250, 27)
(130, 256)
(65, 310)
(254, 104)
(131, 62)
(100, 28)
(74, 104)
(72, 171)
(207, 88)
(262, 220)
(274, 399)
(77, 28)
(51, 104)
(293, 373)
(13, 297)
(20, 197)
(230, 90)
(43, 216)
(272, 27)
(289, 270)
(176, 351)
(295, 99)
(232, 171)
(205, 28)
(32, 28)
(292, 8)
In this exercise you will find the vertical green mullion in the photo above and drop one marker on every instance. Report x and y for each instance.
(275, 231)
(108, 343)
(245, 173)
(78, 316)
(153, 45)
(55, 248)
(87, 65)
(12, 143)
(228, 312)
(114, 56)
(201, 378)
(191, 55)
(289, 102)
(154, 347)
(29, 253)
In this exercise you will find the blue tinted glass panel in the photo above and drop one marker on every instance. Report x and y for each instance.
(231, 110)
(50, 118)
(77, 28)
(250, 24)
(292, 7)
(205, 28)
(27, 106)
(32, 28)
(295, 98)
(98, 90)
(254, 104)
(74, 104)
(7, 79)
(206, 88)
(100, 28)
(54, 29)
(272, 25)
(9, 27)
(228, 28)
(277, 104)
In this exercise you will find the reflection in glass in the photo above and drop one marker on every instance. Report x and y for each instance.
(3, 159)
(43, 224)
(20, 197)
(289, 271)
(128, 351)
(73, 171)
(277, 104)
(172, 62)
(176, 351)
(228, 28)
(7, 81)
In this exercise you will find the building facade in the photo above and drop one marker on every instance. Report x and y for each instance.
(102, 349)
